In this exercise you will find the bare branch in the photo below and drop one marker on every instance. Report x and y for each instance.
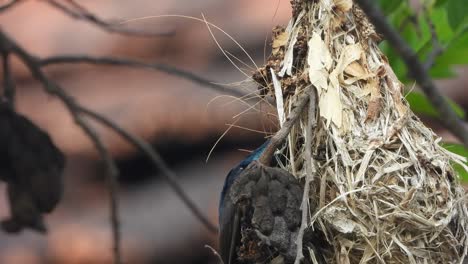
(417, 70)
(122, 62)
(79, 12)
(112, 181)
(437, 48)
(281, 135)
(53, 88)
(310, 168)
(33, 65)
(158, 162)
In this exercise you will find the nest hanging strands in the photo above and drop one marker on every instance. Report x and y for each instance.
(386, 190)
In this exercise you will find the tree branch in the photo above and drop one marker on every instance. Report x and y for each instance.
(157, 161)
(310, 169)
(112, 181)
(281, 134)
(122, 62)
(417, 70)
(80, 12)
(52, 88)
(437, 48)
(33, 64)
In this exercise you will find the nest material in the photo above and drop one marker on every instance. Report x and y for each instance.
(386, 189)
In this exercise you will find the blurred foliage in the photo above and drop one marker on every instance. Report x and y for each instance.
(462, 151)
(449, 19)
(421, 105)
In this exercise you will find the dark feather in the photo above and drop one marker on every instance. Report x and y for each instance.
(230, 214)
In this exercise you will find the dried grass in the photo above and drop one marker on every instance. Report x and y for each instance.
(386, 190)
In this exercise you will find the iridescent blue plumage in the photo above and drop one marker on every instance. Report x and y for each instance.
(235, 172)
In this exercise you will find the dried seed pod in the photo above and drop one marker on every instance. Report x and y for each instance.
(24, 212)
(37, 162)
(32, 167)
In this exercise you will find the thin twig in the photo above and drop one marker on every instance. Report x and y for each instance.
(112, 181)
(437, 48)
(215, 253)
(123, 62)
(281, 135)
(82, 13)
(411, 19)
(53, 88)
(310, 169)
(417, 70)
(157, 161)
(33, 65)
(9, 4)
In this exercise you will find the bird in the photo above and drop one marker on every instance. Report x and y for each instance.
(226, 212)
(259, 213)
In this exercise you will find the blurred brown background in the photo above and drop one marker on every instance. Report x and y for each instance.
(181, 119)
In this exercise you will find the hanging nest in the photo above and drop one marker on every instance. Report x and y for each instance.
(386, 189)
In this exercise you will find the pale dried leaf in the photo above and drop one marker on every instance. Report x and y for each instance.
(349, 54)
(279, 97)
(289, 54)
(319, 62)
(356, 72)
(330, 106)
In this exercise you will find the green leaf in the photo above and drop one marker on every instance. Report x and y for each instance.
(462, 174)
(422, 106)
(442, 72)
(456, 52)
(443, 30)
(439, 3)
(389, 6)
(419, 37)
(457, 11)
(462, 151)
(455, 43)
(456, 148)
(399, 19)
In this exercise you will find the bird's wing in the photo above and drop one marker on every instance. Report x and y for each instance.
(235, 235)
(229, 231)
